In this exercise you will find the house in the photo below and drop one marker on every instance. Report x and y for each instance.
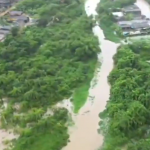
(119, 16)
(24, 19)
(4, 32)
(132, 9)
(134, 24)
(21, 18)
(141, 25)
(125, 24)
(15, 13)
(6, 28)
(5, 3)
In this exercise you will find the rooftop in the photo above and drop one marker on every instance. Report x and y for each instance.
(131, 8)
(15, 13)
(135, 24)
(118, 14)
(4, 32)
(22, 17)
(132, 21)
(5, 27)
(5, 1)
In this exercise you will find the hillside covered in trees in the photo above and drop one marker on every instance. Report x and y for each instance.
(42, 65)
(128, 110)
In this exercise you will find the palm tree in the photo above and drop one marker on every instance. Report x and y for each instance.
(15, 92)
(3, 79)
(31, 94)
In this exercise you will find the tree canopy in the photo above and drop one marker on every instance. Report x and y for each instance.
(41, 65)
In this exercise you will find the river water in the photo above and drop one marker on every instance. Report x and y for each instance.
(84, 135)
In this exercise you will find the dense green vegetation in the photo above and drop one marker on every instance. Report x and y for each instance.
(42, 65)
(107, 21)
(128, 109)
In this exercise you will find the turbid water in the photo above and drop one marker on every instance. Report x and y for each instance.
(84, 134)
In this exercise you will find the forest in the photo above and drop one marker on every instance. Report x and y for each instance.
(43, 64)
(106, 19)
(128, 108)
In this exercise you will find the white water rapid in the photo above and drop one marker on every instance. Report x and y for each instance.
(84, 135)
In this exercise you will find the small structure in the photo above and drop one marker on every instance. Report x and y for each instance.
(140, 25)
(5, 3)
(21, 18)
(118, 15)
(24, 19)
(125, 24)
(132, 9)
(4, 32)
(134, 24)
(15, 13)
(6, 28)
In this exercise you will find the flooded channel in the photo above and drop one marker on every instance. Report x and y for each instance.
(84, 134)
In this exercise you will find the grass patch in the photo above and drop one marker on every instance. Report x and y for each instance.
(81, 93)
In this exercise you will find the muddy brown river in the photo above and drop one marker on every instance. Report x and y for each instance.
(84, 135)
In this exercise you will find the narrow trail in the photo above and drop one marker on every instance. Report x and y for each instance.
(84, 135)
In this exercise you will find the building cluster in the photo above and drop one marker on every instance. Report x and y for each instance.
(18, 17)
(15, 19)
(131, 21)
